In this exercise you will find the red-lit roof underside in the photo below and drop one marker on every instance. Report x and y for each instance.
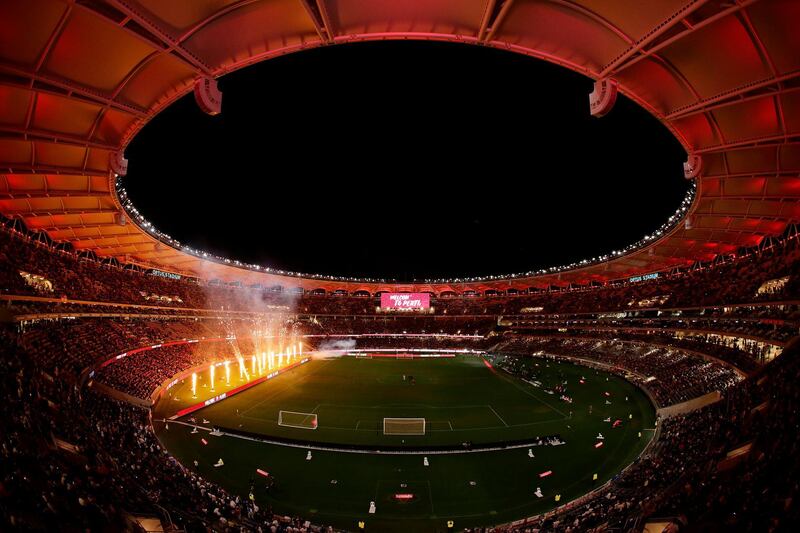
(79, 79)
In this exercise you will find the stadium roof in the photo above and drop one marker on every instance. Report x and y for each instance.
(78, 79)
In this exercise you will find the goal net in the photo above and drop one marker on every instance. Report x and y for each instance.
(294, 419)
(403, 426)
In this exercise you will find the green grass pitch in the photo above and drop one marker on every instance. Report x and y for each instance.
(462, 399)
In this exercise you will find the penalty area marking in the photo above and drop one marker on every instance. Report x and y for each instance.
(431, 430)
(278, 390)
(377, 421)
(497, 415)
(365, 451)
(529, 393)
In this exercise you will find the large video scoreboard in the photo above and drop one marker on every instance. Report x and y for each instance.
(405, 301)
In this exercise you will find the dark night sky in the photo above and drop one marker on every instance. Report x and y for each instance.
(405, 160)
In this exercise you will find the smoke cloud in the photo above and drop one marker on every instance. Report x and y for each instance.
(331, 348)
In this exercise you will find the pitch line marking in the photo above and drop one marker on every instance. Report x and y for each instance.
(308, 415)
(365, 451)
(449, 423)
(359, 421)
(276, 390)
(497, 415)
(427, 428)
(273, 393)
(401, 405)
(430, 496)
(517, 385)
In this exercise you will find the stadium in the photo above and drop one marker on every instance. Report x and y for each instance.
(155, 383)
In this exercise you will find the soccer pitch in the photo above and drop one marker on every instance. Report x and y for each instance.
(462, 399)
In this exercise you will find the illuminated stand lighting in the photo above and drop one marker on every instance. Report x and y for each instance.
(693, 167)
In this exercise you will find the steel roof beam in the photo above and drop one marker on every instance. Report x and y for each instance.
(214, 16)
(35, 195)
(652, 35)
(70, 87)
(32, 212)
(316, 20)
(771, 140)
(326, 20)
(642, 53)
(35, 135)
(495, 21)
(15, 168)
(72, 228)
(740, 94)
(171, 44)
(488, 14)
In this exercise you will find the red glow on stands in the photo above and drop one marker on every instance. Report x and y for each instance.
(162, 345)
(488, 364)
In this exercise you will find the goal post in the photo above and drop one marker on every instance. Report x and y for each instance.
(294, 419)
(403, 426)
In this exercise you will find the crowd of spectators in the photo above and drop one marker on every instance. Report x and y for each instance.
(738, 327)
(742, 352)
(671, 375)
(335, 325)
(71, 345)
(75, 460)
(746, 355)
(688, 478)
(64, 274)
(83, 278)
(140, 374)
(703, 344)
(680, 375)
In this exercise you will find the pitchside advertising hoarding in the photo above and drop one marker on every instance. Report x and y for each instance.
(405, 300)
